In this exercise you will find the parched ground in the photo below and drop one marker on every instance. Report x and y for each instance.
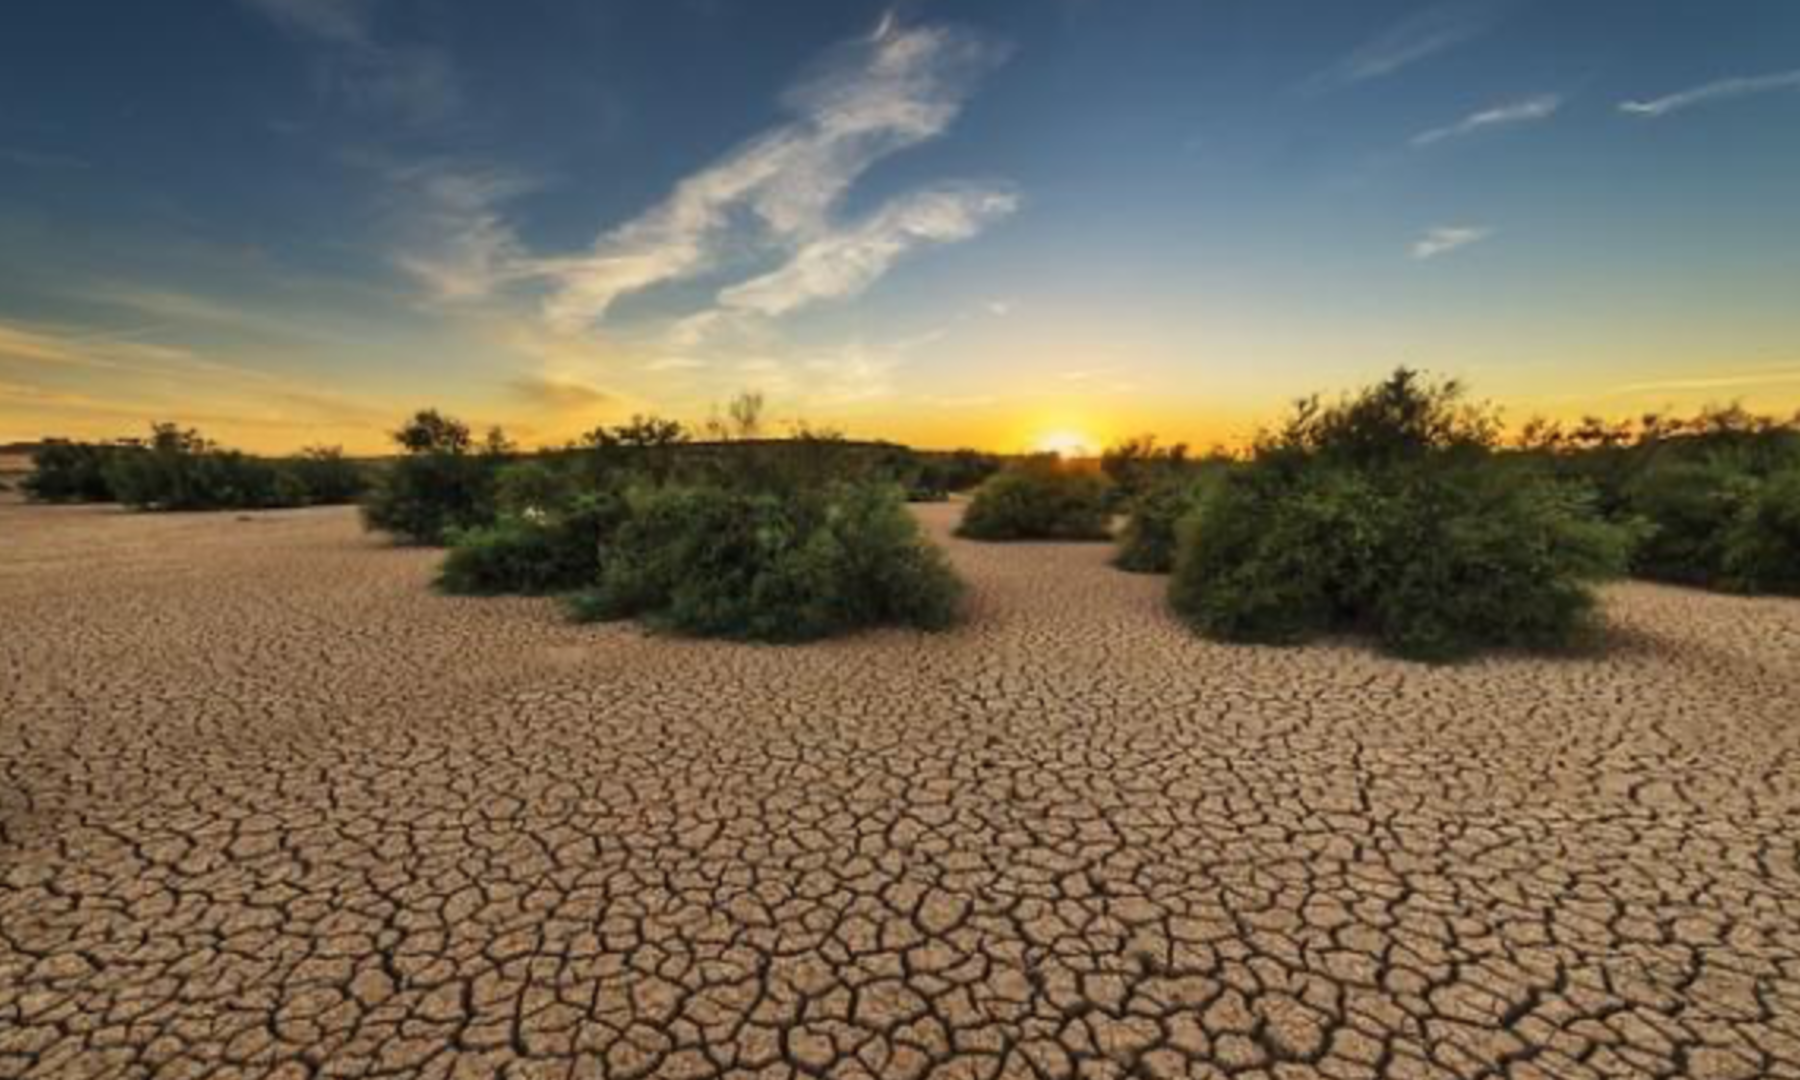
(270, 807)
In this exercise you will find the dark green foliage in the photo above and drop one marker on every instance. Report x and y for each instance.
(71, 472)
(1039, 499)
(1689, 506)
(1695, 485)
(1762, 546)
(960, 470)
(442, 483)
(1266, 558)
(537, 551)
(324, 477)
(420, 498)
(769, 566)
(181, 470)
(1138, 465)
(1479, 557)
(1147, 544)
(1391, 514)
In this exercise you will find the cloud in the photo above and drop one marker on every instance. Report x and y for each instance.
(1541, 107)
(1423, 34)
(415, 83)
(458, 243)
(345, 22)
(1722, 90)
(563, 395)
(165, 375)
(1447, 238)
(874, 97)
(1770, 376)
(844, 262)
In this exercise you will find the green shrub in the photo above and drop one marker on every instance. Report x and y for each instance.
(1390, 514)
(322, 476)
(1689, 506)
(441, 484)
(181, 470)
(1139, 465)
(1038, 499)
(770, 566)
(1148, 543)
(1265, 558)
(1483, 556)
(536, 553)
(71, 472)
(1762, 544)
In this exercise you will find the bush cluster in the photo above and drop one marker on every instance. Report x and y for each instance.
(1391, 514)
(792, 566)
(1039, 498)
(442, 483)
(179, 469)
(553, 550)
(770, 540)
(1147, 544)
(1713, 495)
(63, 471)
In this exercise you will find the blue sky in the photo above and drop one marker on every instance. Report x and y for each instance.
(289, 221)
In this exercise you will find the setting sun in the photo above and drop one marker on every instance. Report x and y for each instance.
(1065, 443)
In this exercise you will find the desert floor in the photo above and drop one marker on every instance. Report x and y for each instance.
(271, 807)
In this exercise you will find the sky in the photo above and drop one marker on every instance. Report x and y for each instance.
(998, 223)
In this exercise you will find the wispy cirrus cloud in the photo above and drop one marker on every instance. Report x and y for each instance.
(1781, 374)
(1444, 239)
(1419, 36)
(1540, 107)
(1721, 90)
(458, 242)
(346, 22)
(562, 395)
(416, 83)
(843, 262)
(780, 191)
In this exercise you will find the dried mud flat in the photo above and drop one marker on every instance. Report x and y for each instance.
(269, 807)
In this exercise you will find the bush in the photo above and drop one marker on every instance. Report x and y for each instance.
(443, 483)
(1138, 465)
(322, 476)
(1272, 560)
(1148, 543)
(1482, 557)
(71, 472)
(534, 553)
(1762, 544)
(1038, 499)
(771, 566)
(1390, 514)
(1689, 507)
(181, 470)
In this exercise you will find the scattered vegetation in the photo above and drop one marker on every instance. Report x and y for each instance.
(1713, 494)
(64, 471)
(1039, 498)
(443, 482)
(771, 566)
(746, 537)
(1147, 545)
(179, 469)
(1393, 513)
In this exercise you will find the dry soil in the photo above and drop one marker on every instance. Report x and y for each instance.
(271, 807)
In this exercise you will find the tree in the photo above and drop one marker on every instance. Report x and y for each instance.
(431, 432)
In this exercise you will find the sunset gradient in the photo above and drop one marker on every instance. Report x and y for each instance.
(1013, 225)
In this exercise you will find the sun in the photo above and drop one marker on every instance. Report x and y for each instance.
(1064, 443)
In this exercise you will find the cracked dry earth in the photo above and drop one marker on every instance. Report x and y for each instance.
(271, 808)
